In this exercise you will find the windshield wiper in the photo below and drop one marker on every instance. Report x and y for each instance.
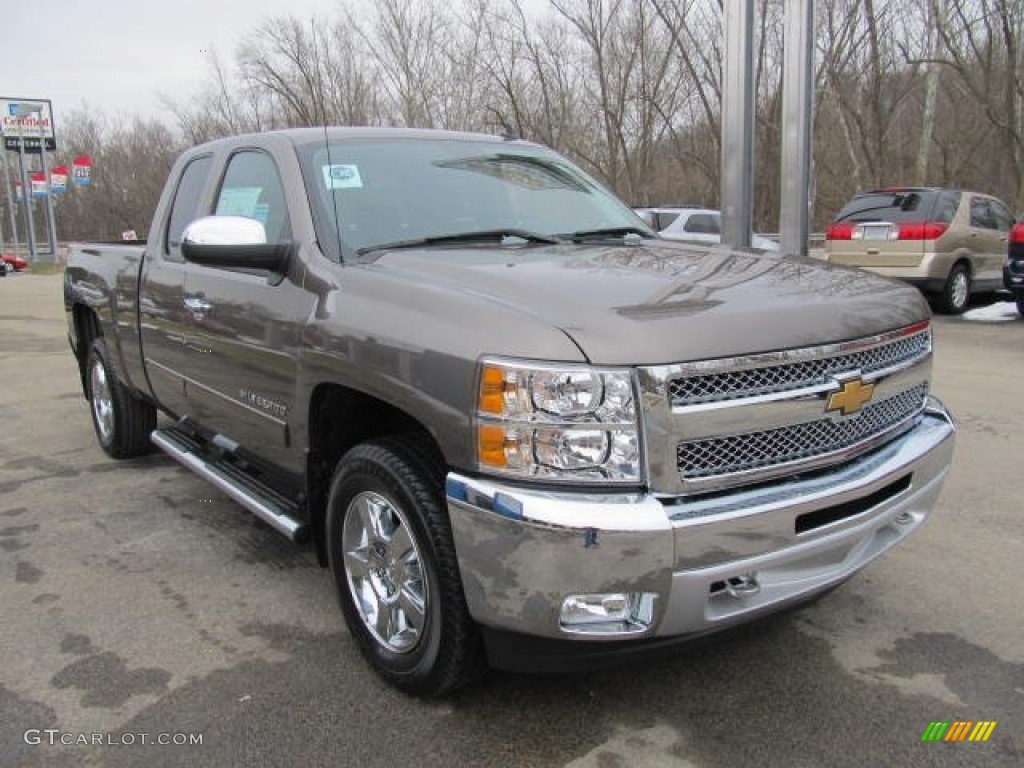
(628, 234)
(501, 236)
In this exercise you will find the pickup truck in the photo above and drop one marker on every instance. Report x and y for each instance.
(519, 428)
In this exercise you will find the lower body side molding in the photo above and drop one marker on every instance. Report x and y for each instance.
(270, 507)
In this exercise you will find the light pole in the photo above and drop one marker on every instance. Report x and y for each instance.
(21, 111)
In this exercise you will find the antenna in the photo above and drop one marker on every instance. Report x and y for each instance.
(334, 199)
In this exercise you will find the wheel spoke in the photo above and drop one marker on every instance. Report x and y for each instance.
(369, 516)
(385, 621)
(411, 603)
(401, 543)
(357, 564)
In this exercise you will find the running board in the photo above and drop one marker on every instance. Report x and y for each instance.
(270, 507)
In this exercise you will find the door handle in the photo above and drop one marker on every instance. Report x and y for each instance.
(198, 306)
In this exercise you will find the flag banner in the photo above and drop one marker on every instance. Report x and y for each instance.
(81, 170)
(59, 179)
(38, 182)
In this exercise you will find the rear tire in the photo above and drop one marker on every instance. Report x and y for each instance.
(123, 422)
(391, 552)
(956, 294)
(1020, 305)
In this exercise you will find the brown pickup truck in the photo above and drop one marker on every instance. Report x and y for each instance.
(518, 426)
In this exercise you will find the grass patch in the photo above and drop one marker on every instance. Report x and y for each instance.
(45, 269)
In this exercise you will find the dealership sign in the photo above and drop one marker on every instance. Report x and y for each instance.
(59, 179)
(81, 170)
(38, 181)
(27, 122)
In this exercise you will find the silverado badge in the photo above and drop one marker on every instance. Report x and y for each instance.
(851, 397)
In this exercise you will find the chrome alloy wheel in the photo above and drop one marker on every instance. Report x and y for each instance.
(960, 288)
(384, 570)
(102, 401)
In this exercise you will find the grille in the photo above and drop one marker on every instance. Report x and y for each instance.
(752, 382)
(757, 450)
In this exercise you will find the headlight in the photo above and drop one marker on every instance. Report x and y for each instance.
(562, 423)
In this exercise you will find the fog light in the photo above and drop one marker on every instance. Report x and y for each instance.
(607, 613)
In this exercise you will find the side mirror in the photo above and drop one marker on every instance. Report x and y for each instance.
(233, 241)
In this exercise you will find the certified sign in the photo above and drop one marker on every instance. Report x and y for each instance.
(28, 122)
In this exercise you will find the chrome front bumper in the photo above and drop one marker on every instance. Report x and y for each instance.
(701, 563)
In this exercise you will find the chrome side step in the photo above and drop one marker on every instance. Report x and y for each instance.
(279, 513)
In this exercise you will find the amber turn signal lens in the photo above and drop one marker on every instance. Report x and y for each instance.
(492, 390)
(490, 445)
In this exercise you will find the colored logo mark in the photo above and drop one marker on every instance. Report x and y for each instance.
(959, 730)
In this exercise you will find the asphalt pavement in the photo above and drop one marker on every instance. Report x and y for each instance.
(136, 599)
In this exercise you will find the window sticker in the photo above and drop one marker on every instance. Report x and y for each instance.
(239, 201)
(342, 177)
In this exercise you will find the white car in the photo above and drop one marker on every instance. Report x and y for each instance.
(694, 225)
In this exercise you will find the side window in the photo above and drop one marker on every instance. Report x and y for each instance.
(252, 188)
(1001, 216)
(945, 207)
(702, 223)
(664, 219)
(185, 207)
(981, 214)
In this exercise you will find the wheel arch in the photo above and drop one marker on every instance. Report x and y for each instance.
(341, 418)
(87, 328)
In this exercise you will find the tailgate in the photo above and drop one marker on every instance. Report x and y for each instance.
(875, 244)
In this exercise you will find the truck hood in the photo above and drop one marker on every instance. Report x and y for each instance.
(661, 302)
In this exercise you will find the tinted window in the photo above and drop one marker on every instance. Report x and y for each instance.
(946, 207)
(703, 224)
(981, 214)
(186, 204)
(664, 219)
(901, 205)
(1002, 217)
(252, 188)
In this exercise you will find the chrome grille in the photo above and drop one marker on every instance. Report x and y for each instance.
(757, 450)
(753, 382)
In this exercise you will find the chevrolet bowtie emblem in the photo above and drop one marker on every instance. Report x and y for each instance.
(851, 398)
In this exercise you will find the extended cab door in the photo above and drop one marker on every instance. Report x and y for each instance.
(163, 318)
(246, 324)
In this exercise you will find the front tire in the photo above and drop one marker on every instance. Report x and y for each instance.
(956, 294)
(393, 559)
(1020, 305)
(123, 422)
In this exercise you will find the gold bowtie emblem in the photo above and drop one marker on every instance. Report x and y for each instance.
(851, 398)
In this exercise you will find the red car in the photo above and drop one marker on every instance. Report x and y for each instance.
(15, 261)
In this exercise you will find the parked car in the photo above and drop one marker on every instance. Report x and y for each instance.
(1013, 269)
(14, 261)
(515, 423)
(950, 243)
(694, 225)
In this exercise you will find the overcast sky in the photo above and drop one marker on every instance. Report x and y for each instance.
(120, 55)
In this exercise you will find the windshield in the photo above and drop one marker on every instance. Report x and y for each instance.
(383, 191)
